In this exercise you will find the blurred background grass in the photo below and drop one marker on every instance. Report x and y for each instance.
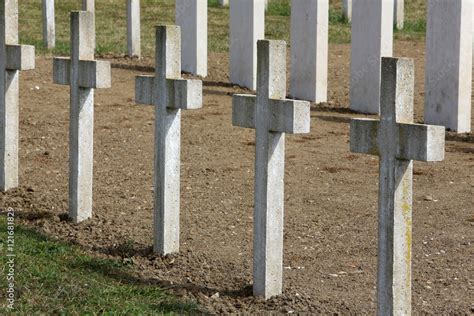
(112, 28)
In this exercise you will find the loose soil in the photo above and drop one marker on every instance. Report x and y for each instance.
(331, 197)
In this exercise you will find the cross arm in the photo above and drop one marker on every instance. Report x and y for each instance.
(144, 89)
(363, 136)
(20, 57)
(243, 110)
(187, 94)
(290, 116)
(93, 74)
(421, 142)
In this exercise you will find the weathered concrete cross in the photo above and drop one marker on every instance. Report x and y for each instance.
(397, 141)
(83, 74)
(272, 116)
(13, 58)
(169, 94)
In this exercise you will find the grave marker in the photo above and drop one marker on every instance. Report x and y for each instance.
(309, 50)
(247, 26)
(448, 75)
(89, 6)
(49, 26)
(372, 38)
(398, 14)
(398, 142)
(191, 16)
(13, 58)
(271, 115)
(83, 74)
(133, 28)
(170, 94)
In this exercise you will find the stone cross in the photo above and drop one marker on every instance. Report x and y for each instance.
(398, 142)
(169, 94)
(309, 50)
(133, 28)
(247, 26)
(13, 58)
(271, 115)
(49, 26)
(191, 16)
(372, 38)
(83, 74)
(448, 75)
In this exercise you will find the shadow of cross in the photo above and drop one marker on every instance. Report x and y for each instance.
(13, 58)
(397, 141)
(170, 94)
(272, 116)
(83, 74)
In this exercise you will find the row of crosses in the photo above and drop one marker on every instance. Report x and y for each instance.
(394, 138)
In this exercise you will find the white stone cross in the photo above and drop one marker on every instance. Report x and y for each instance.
(13, 58)
(89, 6)
(49, 25)
(133, 29)
(398, 142)
(191, 16)
(83, 74)
(448, 64)
(169, 94)
(272, 116)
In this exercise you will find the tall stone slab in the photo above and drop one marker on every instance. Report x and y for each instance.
(191, 16)
(372, 38)
(448, 74)
(309, 50)
(397, 141)
(88, 5)
(169, 94)
(247, 26)
(399, 14)
(347, 9)
(83, 74)
(133, 28)
(49, 25)
(13, 58)
(271, 115)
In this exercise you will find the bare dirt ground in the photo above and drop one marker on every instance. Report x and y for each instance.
(331, 198)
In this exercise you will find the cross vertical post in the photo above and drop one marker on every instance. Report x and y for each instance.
(272, 116)
(13, 58)
(83, 74)
(169, 93)
(49, 25)
(398, 142)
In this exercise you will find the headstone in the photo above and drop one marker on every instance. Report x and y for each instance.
(399, 12)
(223, 3)
(49, 26)
(398, 142)
(88, 5)
(83, 74)
(271, 115)
(13, 58)
(247, 26)
(133, 28)
(448, 74)
(191, 16)
(169, 94)
(309, 50)
(372, 38)
(347, 9)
